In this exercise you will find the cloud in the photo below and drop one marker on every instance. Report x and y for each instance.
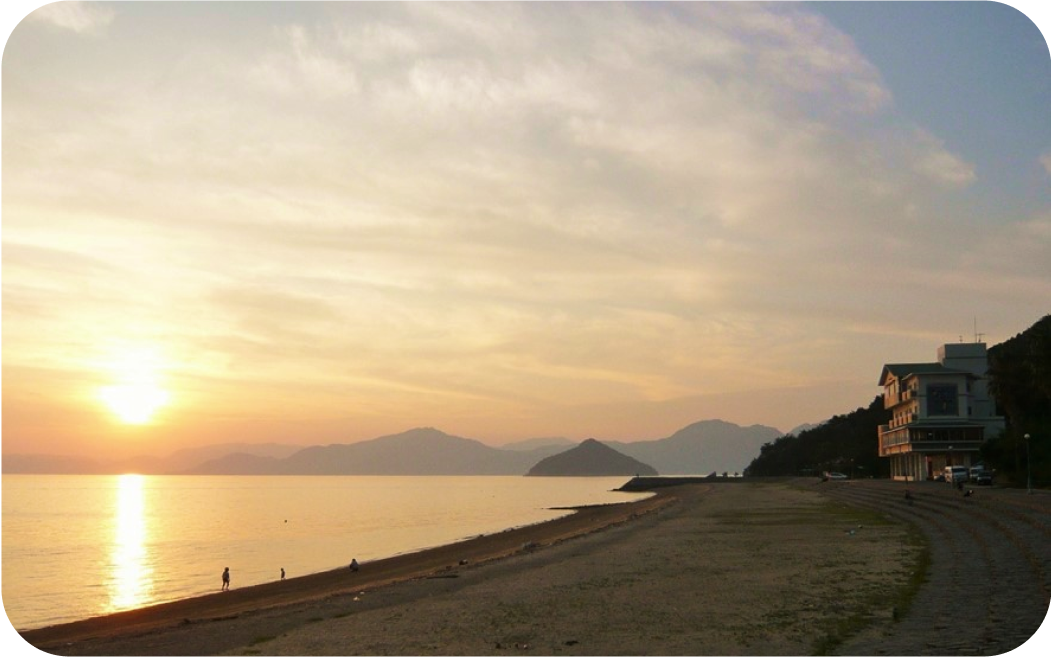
(537, 206)
(936, 163)
(79, 17)
(303, 69)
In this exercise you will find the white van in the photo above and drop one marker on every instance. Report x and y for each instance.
(955, 474)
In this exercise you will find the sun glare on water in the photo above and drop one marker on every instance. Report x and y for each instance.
(136, 394)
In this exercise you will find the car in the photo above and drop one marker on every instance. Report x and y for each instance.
(835, 476)
(955, 474)
(981, 476)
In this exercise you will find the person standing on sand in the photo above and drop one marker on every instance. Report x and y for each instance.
(226, 578)
(282, 573)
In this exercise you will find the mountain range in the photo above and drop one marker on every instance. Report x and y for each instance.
(700, 448)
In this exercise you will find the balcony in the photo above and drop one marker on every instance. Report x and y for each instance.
(929, 438)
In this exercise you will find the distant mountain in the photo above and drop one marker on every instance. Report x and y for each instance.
(238, 463)
(590, 459)
(425, 451)
(50, 464)
(238, 455)
(186, 459)
(533, 444)
(702, 447)
(801, 428)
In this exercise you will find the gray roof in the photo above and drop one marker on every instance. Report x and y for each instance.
(902, 370)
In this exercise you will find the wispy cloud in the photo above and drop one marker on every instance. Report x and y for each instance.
(79, 17)
(937, 164)
(486, 208)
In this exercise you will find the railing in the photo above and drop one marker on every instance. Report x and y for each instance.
(936, 439)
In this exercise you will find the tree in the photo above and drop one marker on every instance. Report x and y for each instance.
(1020, 382)
(846, 443)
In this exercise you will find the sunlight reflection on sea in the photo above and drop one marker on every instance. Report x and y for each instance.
(78, 546)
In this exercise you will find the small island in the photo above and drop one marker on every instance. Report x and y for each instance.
(590, 458)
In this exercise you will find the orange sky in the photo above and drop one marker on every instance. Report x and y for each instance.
(325, 222)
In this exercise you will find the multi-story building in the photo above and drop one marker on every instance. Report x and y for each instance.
(941, 412)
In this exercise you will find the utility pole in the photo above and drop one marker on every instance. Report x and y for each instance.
(1028, 468)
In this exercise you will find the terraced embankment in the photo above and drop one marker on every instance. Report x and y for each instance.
(989, 581)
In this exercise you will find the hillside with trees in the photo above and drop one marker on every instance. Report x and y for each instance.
(1020, 381)
(845, 443)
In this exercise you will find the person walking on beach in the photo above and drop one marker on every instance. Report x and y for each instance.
(226, 578)
(282, 573)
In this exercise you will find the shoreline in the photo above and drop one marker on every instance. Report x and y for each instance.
(341, 581)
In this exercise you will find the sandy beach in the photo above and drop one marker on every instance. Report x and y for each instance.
(776, 568)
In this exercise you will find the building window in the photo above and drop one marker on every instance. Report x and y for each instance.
(942, 400)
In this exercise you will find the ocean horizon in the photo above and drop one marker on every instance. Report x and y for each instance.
(78, 546)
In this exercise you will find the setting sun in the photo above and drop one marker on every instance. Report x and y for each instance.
(136, 391)
(134, 403)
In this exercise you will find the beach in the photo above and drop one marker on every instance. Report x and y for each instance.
(728, 567)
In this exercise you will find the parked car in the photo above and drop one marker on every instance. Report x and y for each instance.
(835, 476)
(981, 476)
(955, 474)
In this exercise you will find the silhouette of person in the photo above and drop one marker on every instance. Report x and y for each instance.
(226, 578)
(282, 573)
(353, 564)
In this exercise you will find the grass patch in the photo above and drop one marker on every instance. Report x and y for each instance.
(900, 598)
(856, 597)
(917, 575)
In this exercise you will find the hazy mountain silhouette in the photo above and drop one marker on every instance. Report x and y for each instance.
(795, 431)
(424, 451)
(186, 459)
(238, 463)
(555, 445)
(51, 464)
(590, 459)
(701, 448)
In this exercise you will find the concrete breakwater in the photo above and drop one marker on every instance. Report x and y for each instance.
(636, 484)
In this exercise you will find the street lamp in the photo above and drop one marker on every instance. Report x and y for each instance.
(1028, 468)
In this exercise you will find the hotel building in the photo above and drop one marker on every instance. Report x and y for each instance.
(941, 412)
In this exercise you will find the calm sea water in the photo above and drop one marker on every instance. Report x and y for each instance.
(80, 546)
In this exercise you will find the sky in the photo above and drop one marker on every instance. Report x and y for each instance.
(318, 223)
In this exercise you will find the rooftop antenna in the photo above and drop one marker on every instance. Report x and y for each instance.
(977, 336)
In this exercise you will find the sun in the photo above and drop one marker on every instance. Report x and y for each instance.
(135, 393)
(134, 403)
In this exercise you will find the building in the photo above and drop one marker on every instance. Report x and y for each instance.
(941, 412)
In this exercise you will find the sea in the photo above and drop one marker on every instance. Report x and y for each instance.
(77, 546)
